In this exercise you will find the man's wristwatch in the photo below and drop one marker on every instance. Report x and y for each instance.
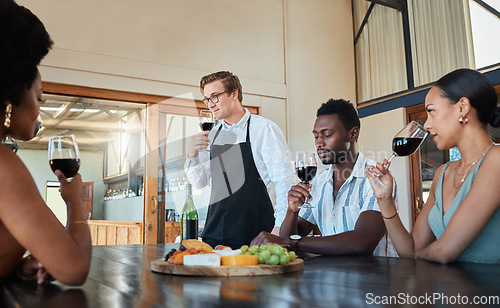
(295, 238)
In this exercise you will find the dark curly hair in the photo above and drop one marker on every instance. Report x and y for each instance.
(477, 88)
(343, 109)
(23, 44)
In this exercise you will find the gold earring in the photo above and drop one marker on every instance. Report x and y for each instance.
(463, 120)
(8, 113)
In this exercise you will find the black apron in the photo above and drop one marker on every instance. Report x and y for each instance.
(239, 207)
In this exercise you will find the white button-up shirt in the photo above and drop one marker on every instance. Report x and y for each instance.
(270, 153)
(334, 216)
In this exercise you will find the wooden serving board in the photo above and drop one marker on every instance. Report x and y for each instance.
(161, 266)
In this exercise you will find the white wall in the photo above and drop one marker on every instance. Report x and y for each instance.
(91, 169)
(127, 209)
(320, 63)
(164, 47)
(290, 55)
(375, 142)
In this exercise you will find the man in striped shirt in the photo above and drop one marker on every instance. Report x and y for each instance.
(344, 206)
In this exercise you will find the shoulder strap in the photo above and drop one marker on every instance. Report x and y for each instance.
(248, 129)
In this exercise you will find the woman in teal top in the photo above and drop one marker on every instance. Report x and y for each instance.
(461, 219)
(484, 248)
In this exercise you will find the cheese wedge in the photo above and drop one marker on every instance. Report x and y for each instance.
(239, 260)
(204, 259)
(228, 252)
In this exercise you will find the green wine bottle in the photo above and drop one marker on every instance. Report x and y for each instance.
(189, 217)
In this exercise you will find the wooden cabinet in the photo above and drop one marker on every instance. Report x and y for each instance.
(109, 232)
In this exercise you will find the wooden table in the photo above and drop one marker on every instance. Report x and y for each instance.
(120, 276)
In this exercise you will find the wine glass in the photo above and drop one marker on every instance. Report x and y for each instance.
(207, 121)
(305, 164)
(407, 141)
(64, 155)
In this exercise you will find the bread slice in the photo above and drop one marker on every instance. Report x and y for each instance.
(197, 244)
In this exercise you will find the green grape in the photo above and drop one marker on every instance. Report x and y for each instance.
(268, 261)
(247, 253)
(254, 249)
(278, 251)
(274, 260)
(284, 259)
(244, 249)
(264, 247)
(261, 259)
(292, 255)
(265, 254)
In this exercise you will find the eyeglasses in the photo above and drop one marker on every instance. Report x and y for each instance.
(214, 98)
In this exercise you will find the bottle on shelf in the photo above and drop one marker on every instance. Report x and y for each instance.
(141, 190)
(189, 217)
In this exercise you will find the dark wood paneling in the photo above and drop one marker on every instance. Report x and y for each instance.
(121, 276)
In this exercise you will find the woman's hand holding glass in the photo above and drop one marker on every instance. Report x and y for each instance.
(71, 192)
(64, 158)
(380, 179)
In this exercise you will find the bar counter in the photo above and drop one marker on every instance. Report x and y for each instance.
(120, 276)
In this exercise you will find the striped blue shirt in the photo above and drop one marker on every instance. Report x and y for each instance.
(334, 216)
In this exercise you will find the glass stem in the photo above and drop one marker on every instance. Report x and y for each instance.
(390, 158)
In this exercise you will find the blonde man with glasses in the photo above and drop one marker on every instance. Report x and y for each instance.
(246, 155)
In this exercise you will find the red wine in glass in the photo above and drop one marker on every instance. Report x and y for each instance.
(64, 155)
(407, 141)
(405, 146)
(68, 166)
(206, 126)
(207, 122)
(306, 167)
(306, 174)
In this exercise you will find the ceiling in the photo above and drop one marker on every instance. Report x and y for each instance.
(93, 122)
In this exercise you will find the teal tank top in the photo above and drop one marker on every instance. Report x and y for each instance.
(485, 248)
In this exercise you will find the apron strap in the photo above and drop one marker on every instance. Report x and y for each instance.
(248, 131)
(222, 163)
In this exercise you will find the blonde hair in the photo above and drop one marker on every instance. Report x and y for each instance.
(230, 82)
